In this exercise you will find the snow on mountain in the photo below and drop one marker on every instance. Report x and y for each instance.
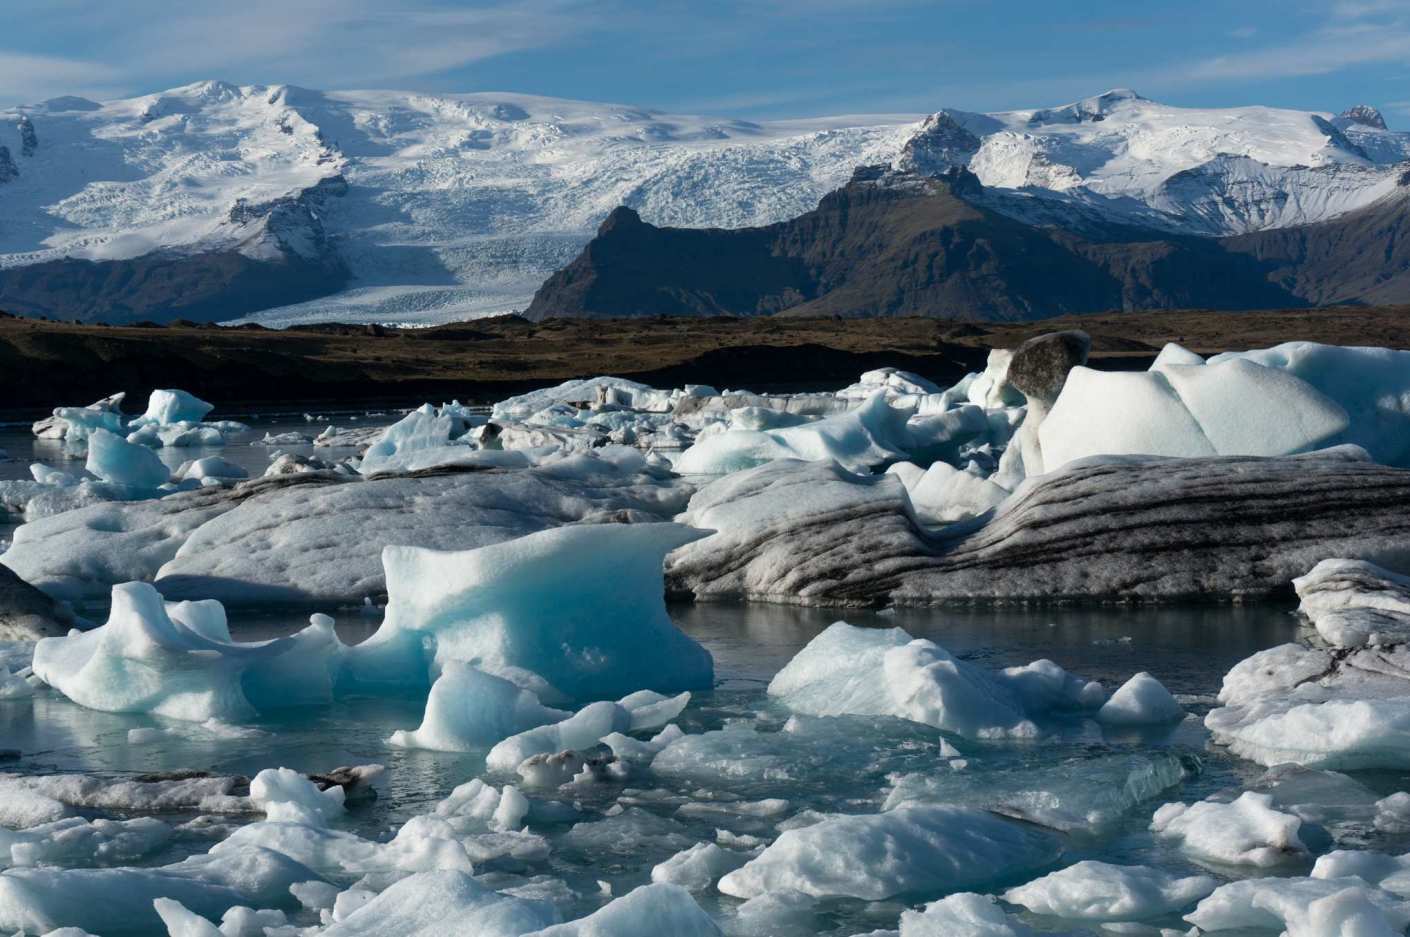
(449, 206)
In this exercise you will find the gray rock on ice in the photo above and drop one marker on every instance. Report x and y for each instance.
(27, 614)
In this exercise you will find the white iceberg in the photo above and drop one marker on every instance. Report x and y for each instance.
(850, 670)
(469, 709)
(1248, 831)
(911, 850)
(580, 606)
(1140, 701)
(113, 459)
(165, 407)
(587, 727)
(175, 660)
(1099, 891)
(872, 435)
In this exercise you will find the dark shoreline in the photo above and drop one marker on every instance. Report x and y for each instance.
(44, 364)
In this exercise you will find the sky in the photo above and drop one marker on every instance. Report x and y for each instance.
(760, 59)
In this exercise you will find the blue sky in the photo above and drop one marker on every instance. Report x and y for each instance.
(761, 59)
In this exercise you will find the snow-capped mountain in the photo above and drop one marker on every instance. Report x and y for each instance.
(405, 207)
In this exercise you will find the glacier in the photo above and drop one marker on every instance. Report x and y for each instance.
(449, 206)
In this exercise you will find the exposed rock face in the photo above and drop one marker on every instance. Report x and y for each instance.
(940, 144)
(893, 244)
(29, 140)
(27, 614)
(1134, 529)
(8, 169)
(1366, 115)
(1039, 366)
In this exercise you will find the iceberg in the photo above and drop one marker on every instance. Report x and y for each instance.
(1099, 891)
(168, 659)
(1229, 407)
(1372, 385)
(850, 670)
(468, 709)
(1303, 907)
(649, 911)
(1353, 603)
(1140, 701)
(587, 727)
(113, 459)
(873, 435)
(909, 851)
(166, 407)
(580, 606)
(1248, 831)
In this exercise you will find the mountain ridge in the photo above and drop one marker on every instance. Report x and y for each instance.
(897, 243)
(458, 205)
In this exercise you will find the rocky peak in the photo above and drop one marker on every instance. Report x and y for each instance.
(621, 217)
(1365, 115)
(941, 143)
(29, 140)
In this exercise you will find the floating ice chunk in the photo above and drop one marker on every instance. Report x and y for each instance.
(583, 391)
(635, 751)
(891, 381)
(991, 388)
(1087, 794)
(871, 435)
(286, 795)
(469, 709)
(581, 606)
(587, 727)
(1246, 409)
(500, 810)
(909, 850)
(1140, 701)
(75, 841)
(1345, 734)
(1248, 831)
(1389, 873)
(114, 459)
(781, 913)
(697, 868)
(963, 915)
(1353, 603)
(180, 922)
(425, 437)
(1097, 891)
(1173, 354)
(170, 660)
(165, 407)
(209, 794)
(441, 904)
(943, 494)
(1393, 813)
(1275, 904)
(1371, 384)
(119, 901)
(22, 807)
(1222, 408)
(211, 467)
(649, 911)
(866, 672)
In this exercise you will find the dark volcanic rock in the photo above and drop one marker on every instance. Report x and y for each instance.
(29, 140)
(1136, 530)
(899, 244)
(1365, 115)
(8, 170)
(1039, 366)
(26, 613)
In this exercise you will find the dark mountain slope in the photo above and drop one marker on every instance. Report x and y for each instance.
(891, 244)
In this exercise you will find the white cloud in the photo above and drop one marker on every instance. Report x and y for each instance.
(322, 43)
(30, 78)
